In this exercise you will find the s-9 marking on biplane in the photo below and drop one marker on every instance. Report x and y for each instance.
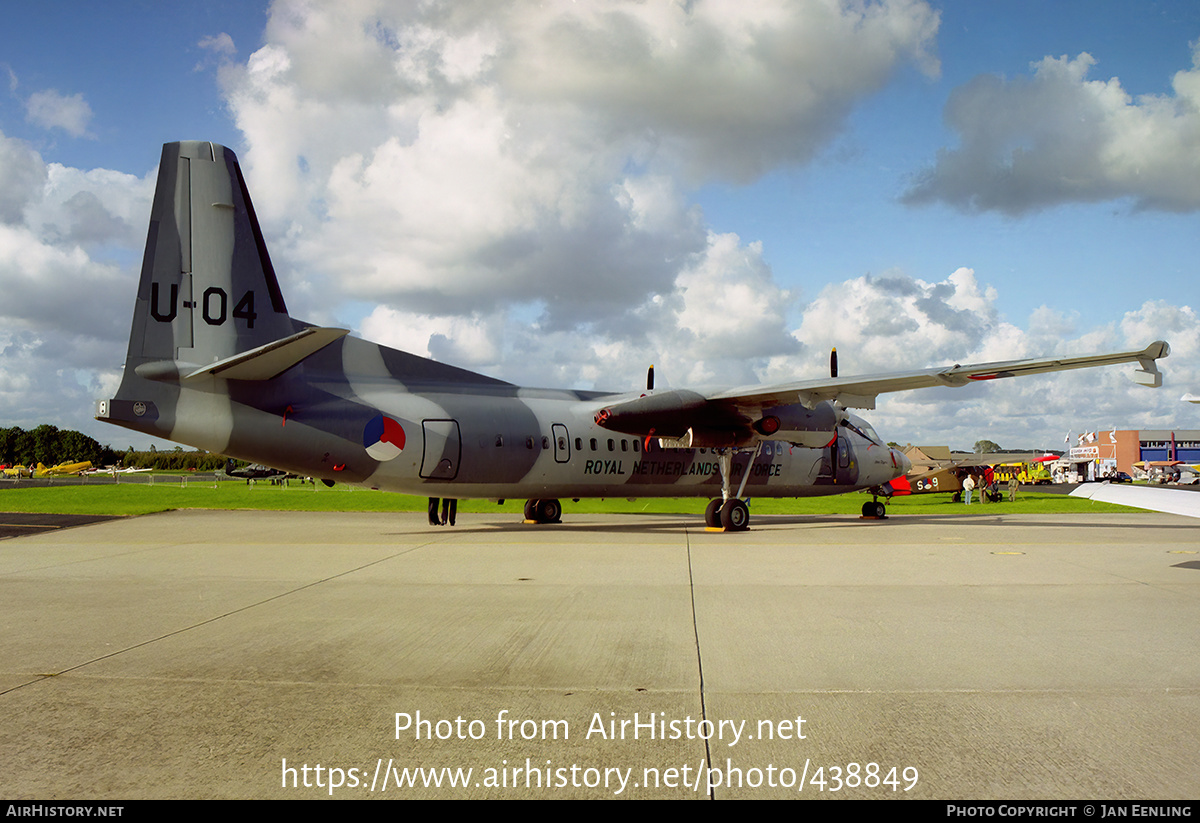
(216, 362)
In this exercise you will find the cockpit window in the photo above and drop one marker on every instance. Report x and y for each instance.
(863, 429)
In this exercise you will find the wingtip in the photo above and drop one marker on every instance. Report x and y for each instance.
(1157, 349)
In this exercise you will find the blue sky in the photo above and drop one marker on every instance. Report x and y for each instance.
(1038, 259)
(561, 194)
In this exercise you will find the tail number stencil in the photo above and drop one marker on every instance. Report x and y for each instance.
(214, 306)
(168, 316)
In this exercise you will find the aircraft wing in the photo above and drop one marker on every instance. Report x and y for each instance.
(803, 411)
(860, 392)
(1171, 501)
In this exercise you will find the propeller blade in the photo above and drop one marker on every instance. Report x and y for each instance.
(833, 362)
(650, 379)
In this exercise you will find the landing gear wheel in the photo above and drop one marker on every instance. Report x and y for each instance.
(712, 514)
(874, 509)
(543, 511)
(549, 511)
(735, 515)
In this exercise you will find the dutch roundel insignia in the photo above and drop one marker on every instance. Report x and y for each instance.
(383, 438)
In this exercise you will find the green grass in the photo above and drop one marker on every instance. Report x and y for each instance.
(139, 498)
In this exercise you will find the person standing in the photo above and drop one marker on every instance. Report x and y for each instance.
(968, 487)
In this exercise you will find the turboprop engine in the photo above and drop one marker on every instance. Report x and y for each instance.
(812, 428)
(689, 419)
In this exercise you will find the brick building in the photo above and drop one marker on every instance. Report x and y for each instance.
(1102, 452)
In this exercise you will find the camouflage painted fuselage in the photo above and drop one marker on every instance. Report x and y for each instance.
(215, 361)
(343, 409)
(460, 435)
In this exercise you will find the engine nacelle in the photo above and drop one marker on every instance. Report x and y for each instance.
(812, 428)
(667, 414)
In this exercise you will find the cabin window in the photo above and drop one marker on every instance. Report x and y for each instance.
(624, 445)
(529, 442)
(578, 444)
(637, 445)
(545, 442)
(611, 445)
(499, 440)
(593, 443)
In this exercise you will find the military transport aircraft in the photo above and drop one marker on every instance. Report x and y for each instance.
(216, 362)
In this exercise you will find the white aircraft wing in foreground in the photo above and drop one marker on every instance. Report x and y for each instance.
(1170, 501)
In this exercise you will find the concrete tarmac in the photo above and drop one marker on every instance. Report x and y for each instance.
(294, 655)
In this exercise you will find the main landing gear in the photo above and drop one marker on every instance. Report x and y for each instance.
(543, 511)
(729, 512)
(730, 515)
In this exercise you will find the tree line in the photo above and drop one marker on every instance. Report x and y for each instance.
(50, 446)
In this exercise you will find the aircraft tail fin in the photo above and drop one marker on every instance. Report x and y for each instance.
(210, 324)
(209, 308)
(208, 290)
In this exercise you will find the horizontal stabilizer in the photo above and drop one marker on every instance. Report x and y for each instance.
(271, 359)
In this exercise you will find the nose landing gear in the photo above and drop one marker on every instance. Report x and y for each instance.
(876, 510)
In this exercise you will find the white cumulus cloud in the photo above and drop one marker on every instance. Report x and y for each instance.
(896, 322)
(1058, 137)
(67, 268)
(533, 161)
(50, 109)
